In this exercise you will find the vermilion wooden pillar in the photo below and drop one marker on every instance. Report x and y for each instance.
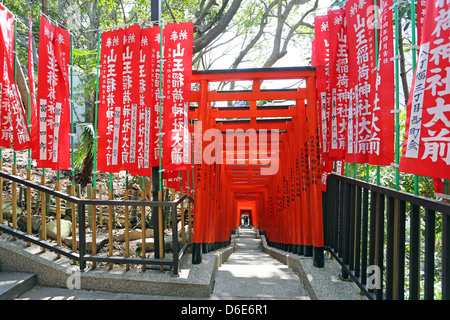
(315, 173)
(301, 142)
(200, 172)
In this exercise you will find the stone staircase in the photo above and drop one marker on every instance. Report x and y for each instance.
(13, 284)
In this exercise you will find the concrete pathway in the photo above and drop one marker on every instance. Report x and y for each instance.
(250, 273)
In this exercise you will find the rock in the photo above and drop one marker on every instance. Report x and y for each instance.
(35, 223)
(66, 229)
(186, 231)
(100, 239)
(150, 243)
(8, 209)
(135, 234)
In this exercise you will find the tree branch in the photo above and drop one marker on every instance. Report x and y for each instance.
(123, 12)
(403, 73)
(300, 23)
(277, 51)
(202, 41)
(216, 17)
(262, 26)
(170, 11)
(203, 12)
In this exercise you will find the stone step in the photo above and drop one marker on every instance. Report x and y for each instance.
(13, 284)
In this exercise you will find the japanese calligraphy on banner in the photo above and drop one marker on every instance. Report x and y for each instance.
(321, 61)
(177, 89)
(339, 83)
(129, 113)
(144, 153)
(110, 100)
(130, 99)
(382, 126)
(361, 44)
(426, 150)
(157, 103)
(6, 58)
(322, 44)
(21, 134)
(50, 131)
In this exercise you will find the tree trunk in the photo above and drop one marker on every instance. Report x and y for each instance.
(45, 7)
(22, 86)
(84, 177)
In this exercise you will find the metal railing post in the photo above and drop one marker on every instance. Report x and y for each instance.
(175, 247)
(82, 234)
(445, 258)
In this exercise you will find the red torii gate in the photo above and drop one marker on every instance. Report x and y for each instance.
(286, 205)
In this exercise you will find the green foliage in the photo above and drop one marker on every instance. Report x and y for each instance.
(86, 145)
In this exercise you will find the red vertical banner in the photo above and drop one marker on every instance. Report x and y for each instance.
(382, 126)
(177, 89)
(184, 180)
(6, 58)
(441, 188)
(361, 44)
(156, 102)
(426, 149)
(321, 60)
(130, 97)
(46, 91)
(173, 179)
(33, 101)
(421, 10)
(53, 114)
(339, 83)
(61, 126)
(144, 151)
(21, 135)
(110, 101)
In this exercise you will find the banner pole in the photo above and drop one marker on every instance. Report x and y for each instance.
(414, 63)
(193, 167)
(397, 101)
(14, 167)
(377, 64)
(187, 181)
(15, 79)
(156, 169)
(160, 209)
(161, 65)
(72, 189)
(71, 115)
(29, 229)
(96, 102)
(94, 178)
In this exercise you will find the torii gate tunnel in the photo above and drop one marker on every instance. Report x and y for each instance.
(257, 156)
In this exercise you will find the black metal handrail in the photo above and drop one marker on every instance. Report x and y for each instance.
(82, 257)
(365, 229)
